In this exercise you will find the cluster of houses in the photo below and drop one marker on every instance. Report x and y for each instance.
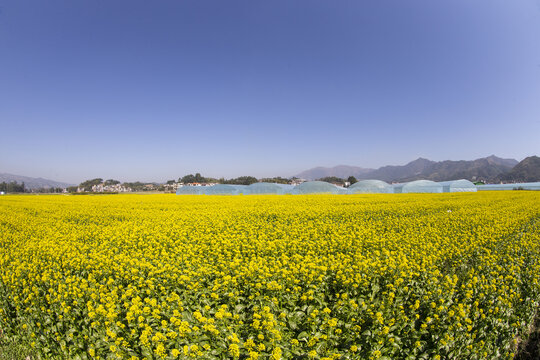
(107, 188)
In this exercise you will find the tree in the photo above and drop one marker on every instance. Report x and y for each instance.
(136, 186)
(197, 178)
(351, 180)
(12, 187)
(187, 179)
(112, 182)
(332, 180)
(242, 180)
(87, 185)
(277, 180)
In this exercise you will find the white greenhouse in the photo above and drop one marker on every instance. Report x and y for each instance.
(370, 187)
(223, 189)
(418, 186)
(190, 190)
(458, 186)
(264, 188)
(317, 187)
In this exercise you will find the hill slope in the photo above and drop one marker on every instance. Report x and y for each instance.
(32, 183)
(528, 170)
(488, 169)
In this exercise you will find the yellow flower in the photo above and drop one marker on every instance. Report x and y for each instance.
(234, 350)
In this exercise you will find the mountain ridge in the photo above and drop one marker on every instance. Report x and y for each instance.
(489, 169)
(31, 182)
(527, 170)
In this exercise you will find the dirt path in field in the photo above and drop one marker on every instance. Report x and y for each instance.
(530, 349)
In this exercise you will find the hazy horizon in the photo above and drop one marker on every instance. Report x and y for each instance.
(176, 177)
(153, 91)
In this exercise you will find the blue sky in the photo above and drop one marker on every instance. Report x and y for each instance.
(139, 90)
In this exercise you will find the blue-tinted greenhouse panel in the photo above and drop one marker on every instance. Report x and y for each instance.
(370, 187)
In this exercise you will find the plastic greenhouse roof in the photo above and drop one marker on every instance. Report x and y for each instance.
(287, 188)
(265, 188)
(223, 189)
(524, 186)
(317, 187)
(370, 186)
(242, 189)
(461, 185)
(190, 190)
(422, 186)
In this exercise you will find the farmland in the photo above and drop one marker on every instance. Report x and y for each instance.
(387, 276)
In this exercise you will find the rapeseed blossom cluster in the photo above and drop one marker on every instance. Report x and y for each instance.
(265, 277)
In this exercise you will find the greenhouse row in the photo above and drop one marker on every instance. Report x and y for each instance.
(321, 187)
(516, 186)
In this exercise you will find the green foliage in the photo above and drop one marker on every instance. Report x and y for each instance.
(242, 180)
(352, 180)
(95, 193)
(14, 350)
(12, 187)
(332, 180)
(530, 348)
(197, 178)
(112, 182)
(140, 186)
(276, 180)
(87, 185)
(49, 190)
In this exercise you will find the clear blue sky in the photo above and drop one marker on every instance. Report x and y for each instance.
(140, 90)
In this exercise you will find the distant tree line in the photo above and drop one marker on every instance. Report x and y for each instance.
(111, 182)
(332, 180)
(86, 186)
(12, 187)
(48, 190)
(140, 186)
(277, 180)
(197, 178)
(242, 180)
(248, 180)
(336, 180)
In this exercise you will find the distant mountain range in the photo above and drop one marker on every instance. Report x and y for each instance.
(32, 183)
(489, 169)
(528, 170)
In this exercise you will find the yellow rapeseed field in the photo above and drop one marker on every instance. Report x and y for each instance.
(427, 276)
